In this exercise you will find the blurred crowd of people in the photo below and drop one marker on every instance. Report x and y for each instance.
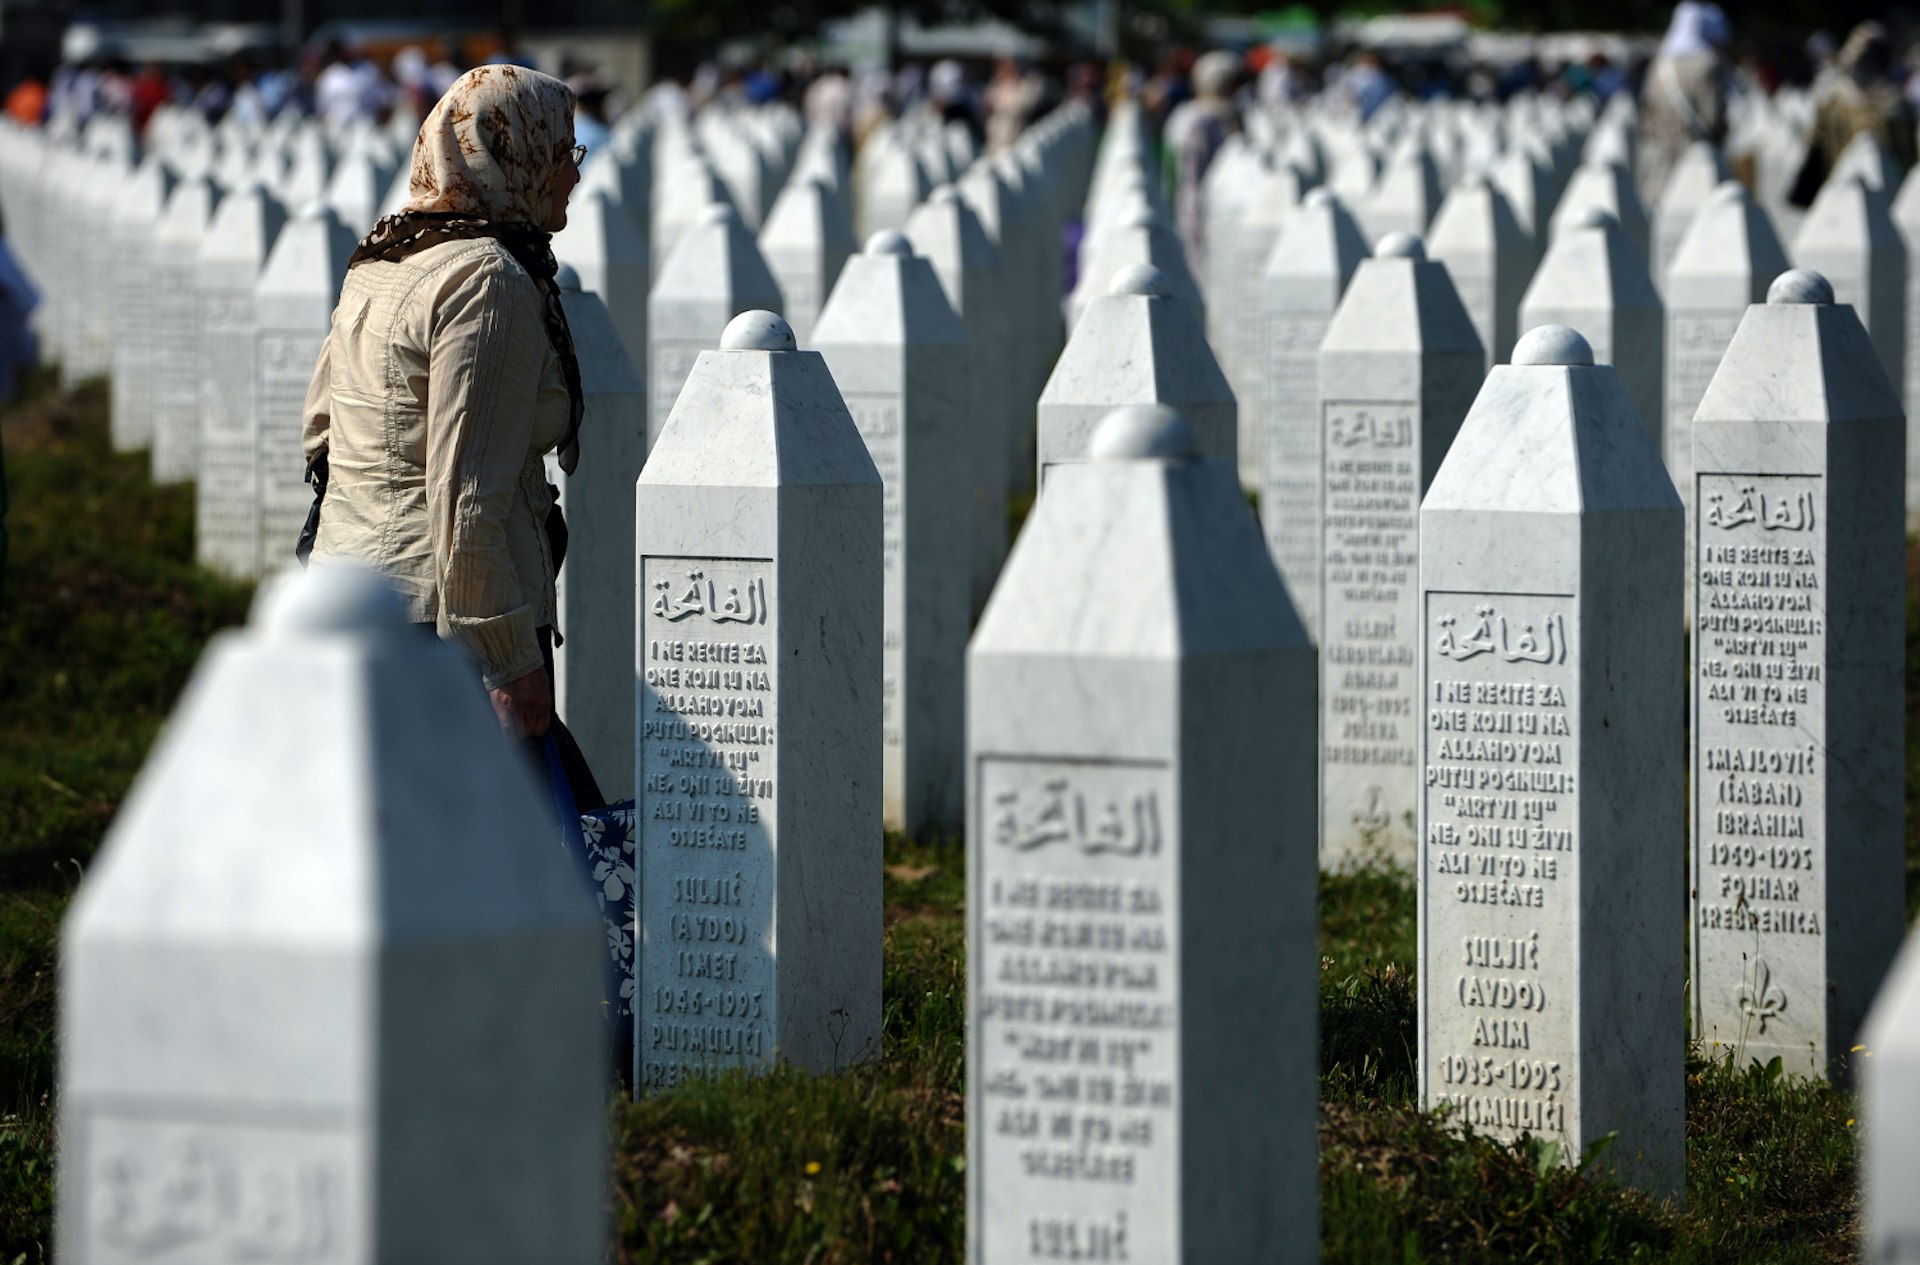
(1194, 99)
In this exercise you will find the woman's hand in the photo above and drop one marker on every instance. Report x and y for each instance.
(524, 707)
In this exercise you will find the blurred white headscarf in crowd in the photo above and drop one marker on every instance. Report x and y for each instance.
(1697, 29)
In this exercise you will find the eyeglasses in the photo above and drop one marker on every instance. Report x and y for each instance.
(578, 153)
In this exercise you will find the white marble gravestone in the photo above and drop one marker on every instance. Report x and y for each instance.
(1141, 344)
(135, 326)
(357, 187)
(177, 326)
(593, 668)
(1848, 237)
(899, 354)
(1604, 186)
(1550, 811)
(994, 193)
(1890, 1116)
(1525, 180)
(758, 665)
(1139, 704)
(946, 232)
(682, 199)
(896, 181)
(609, 256)
(243, 1014)
(1303, 280)
(1726, 262)
(1906, 218)
(1594, 279)
(1798, 663)
(1407, 196)
(807, 240)
(1689, 186)
(1398, 369)
(1270, 207)
(715, 273)
(292, 312)
(1489, 258)
(226, 521)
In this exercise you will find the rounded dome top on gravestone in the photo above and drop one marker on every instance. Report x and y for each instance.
(1317, 197)
(1553, 345)
(757, 331)
(1144, 432)
(717, 213)
(1800, 286)
(313, 209)
(1400, 246)
(1140, 279)
(334, 598)
(888, 241)
(1728, 191)
(1594, 217)
(944, 194)
(566, 278)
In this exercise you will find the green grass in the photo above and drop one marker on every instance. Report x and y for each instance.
(103, 619)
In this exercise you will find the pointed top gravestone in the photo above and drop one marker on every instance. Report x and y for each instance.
(1398, 369)
(1550, 826)
(1890, 1114)
(807, 240)
(238, 1022)
(899, 354)
(758, 661)
(1725, 263)
(1867, 158)
(227, 483)
(1594, 279)
(610, 258)
(1798, 572)
(176, 251)
(684, 191)
(715, 272)
(1407, 196)
(292, 314)
(1488, 257)
(1691, 182)
(1526, 181)
(1849, 238)
(1608, 187)
(135, 331)
(593, 599)
(897, 182)
(1303, 280)
(1141, 344)
(1139, 698)
(973, 272)
(1905, 213)
(1271, 205)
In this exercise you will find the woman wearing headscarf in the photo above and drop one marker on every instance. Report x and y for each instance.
(448, 375)
(1861, 97)
(1685, 96)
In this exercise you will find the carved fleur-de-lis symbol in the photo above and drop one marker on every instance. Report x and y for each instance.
(1759, 997)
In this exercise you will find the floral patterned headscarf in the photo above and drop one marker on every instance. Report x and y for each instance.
(484, 165)
(493, 145)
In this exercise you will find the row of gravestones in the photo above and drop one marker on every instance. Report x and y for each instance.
(1121, 694)
(222, 370)
(1762, 993)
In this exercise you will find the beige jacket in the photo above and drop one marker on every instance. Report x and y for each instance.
(436, 394)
